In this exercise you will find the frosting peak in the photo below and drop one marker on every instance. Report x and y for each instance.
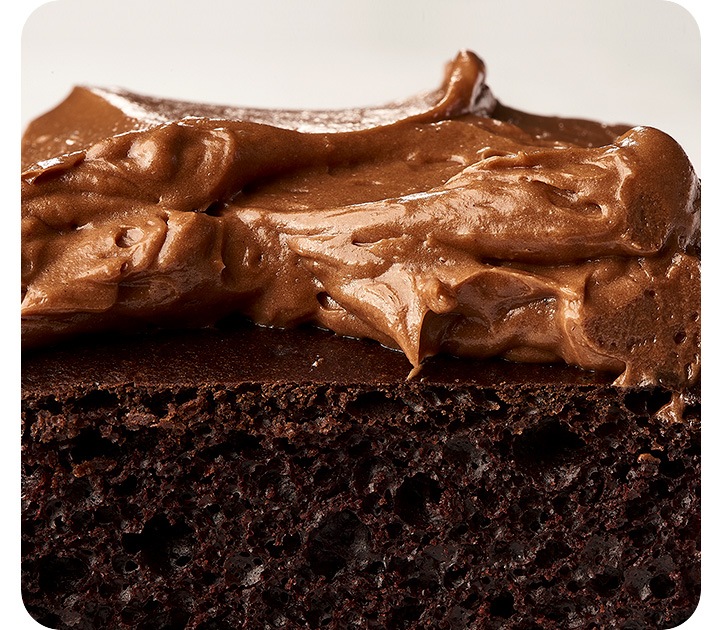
(445, 223)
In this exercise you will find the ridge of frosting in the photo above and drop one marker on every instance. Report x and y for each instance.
(445, 223)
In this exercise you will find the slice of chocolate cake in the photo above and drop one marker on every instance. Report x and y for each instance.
(529, 460)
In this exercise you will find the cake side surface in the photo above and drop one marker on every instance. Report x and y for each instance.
(443, 502)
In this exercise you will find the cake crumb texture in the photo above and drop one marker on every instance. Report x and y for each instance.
(333, 505)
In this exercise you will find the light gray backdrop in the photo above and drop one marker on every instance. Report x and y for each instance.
(634, 61)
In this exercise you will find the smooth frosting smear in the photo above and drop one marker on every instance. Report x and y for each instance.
(445, 223)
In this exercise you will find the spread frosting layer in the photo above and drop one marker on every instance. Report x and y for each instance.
(445, 223)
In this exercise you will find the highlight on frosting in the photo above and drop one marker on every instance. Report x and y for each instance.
(446, 223)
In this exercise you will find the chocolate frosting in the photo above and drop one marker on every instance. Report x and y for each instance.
(446, 223)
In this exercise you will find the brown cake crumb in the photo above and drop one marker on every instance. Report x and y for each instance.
(204, 485)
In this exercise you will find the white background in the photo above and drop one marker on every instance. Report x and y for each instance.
(633, 61)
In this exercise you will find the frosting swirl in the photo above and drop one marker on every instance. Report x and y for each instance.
(445, 223)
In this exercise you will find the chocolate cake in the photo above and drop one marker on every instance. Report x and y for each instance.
(420, 366)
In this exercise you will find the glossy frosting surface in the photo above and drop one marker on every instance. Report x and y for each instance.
(447, 223)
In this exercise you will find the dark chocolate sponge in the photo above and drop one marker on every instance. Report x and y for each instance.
(256, 478)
